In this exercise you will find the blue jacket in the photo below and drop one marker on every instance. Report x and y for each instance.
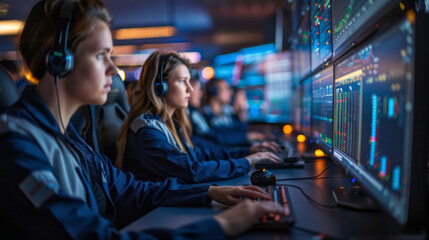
(226, 119)
(203, 132)
(54, 186)
(152, 153)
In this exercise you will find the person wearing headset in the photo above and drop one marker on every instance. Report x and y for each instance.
(219, 113)
(203, 135)
(154, 143)
(54, 186)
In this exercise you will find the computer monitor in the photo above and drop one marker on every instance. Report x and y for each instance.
(278, 90)
(351, 20)
(296, 114)
(379, 116)
(321, 34)
(322, 106)
(228, 67)
(306, 107)
(300, 41)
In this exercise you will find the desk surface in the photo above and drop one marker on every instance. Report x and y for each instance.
(310, 219)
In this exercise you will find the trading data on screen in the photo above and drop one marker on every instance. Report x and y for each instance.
(322, 107)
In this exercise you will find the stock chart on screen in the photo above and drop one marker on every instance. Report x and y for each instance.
(321, 34)
(348, 78)
(373, 114)
(322, 107)
(387, 98)
(348, 16)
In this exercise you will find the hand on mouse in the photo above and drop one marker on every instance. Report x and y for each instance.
(242, 216)
(260, 156)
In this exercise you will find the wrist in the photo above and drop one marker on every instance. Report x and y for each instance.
(222, 223)
(210, 192)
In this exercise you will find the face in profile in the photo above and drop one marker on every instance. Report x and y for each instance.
(196, 95)
(240, 103)
(224, 92)
(91, 78)
(179, 88)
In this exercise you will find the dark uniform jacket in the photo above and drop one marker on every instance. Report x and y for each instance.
(151, 153)
(54, 186)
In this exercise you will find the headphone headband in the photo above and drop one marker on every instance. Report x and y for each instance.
(160, 85)
(60, 60)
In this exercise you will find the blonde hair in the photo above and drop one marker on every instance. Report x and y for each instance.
(144, 100)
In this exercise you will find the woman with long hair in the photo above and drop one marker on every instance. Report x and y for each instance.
(54, 186)
(154, 141)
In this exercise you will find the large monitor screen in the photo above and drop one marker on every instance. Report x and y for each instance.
(321, 34)
(322, 107)
(278, 91)
(348, 16)
(373, 116)
(306, 107)
(347, 104)
(300, 43)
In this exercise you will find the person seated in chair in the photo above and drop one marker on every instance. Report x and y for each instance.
(219, 113)
(154, 141)
(54, 186)
(204, 135)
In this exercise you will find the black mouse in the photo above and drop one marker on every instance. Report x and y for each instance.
(263, 178)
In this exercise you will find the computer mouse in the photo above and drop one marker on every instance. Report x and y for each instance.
(263, 178)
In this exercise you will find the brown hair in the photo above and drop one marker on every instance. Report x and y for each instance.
(41, 29)
(144, 100)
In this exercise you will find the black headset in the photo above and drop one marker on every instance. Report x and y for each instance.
(160, 85)
(60, 59)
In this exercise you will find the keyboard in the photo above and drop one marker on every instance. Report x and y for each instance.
(277, 221)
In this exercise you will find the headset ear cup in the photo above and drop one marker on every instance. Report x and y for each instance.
(59, 63)
(164, 87)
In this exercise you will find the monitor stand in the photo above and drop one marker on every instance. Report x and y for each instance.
(354, 198)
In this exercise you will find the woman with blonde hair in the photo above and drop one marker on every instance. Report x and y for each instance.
(154, 142)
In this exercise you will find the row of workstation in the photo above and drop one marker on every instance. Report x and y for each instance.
(316, 213)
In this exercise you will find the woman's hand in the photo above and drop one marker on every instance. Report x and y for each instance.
(260, 156)
(229, 195)
(256, 136)
(265, 146)
(242, 216)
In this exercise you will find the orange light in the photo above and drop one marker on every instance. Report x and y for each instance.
(146, 32)
(287, 129)
(319, 153)
(10, 27)
(301, 138)
(208, 73)
(402, 6)
(411, 16)
(31, 78)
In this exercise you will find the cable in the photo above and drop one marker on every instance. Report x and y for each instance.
(310, 198)
(305, 178)
(58, 104)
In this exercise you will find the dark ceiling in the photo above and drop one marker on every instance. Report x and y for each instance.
(210, 27)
